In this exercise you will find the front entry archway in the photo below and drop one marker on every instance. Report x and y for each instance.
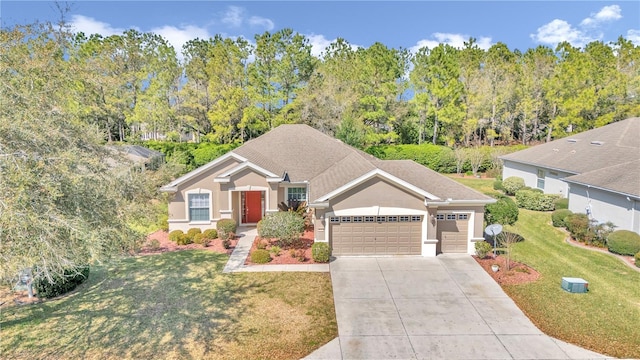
(251, 206)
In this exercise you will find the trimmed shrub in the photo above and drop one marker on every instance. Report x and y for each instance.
(624, 242)
(184, 240)
(71, 278)
(260, 256)
(201, 239)
(558, 216)
(561, 203)
(535, 200)
(504, 212)
(191, 233)
(637, 257)
(482, 249)
(512, 184)
(578, 226)
(226, 228)
(275, 250)
(175, 235)
(497, 185)
(210, 234)
(286, 226)
(320, 252)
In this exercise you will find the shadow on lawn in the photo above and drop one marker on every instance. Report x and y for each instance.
(145, 307)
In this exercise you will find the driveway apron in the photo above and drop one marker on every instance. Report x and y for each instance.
(446, 307)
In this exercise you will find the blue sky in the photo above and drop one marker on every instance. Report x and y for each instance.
(408, 24)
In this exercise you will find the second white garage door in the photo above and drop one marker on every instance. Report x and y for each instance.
(376, 235)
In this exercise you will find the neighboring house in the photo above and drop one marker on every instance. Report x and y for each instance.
(361, 205)
(598, 170)
(141, 156)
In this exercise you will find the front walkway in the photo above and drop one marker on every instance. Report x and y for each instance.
(240, 253)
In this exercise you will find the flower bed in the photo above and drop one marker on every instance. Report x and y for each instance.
(517, 274)
(301, 252)
(163, 245)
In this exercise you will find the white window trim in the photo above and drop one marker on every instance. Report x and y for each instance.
(186, 205)
(296, 186)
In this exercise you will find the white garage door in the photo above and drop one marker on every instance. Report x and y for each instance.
(376, 235)
(453, 231)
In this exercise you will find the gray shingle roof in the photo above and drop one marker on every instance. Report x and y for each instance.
(306, 154)
(601, 157)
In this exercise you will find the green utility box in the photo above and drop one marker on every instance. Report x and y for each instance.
(575, 285)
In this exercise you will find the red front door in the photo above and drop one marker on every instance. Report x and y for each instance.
(252, 206)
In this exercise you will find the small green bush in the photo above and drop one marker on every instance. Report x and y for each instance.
(497, 185)
(210, 234)
(535, 200)
(226, 243)
(261, 245)
(62, 284)
(201, 239)
(624, 242)
(320, 252)
(637, 257)
(578, 226)
(260, 256)
(184, 240)
(512, 184)
(191, 233)
(561, 203)
(482, 249)
(558, 216)
(286, 226)
(504, 212)
(175, 235)
(226, 228)
(275, 250)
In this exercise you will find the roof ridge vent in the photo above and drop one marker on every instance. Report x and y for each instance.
(597, 142)
(572, 140)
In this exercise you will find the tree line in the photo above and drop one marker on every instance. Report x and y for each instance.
(228, 90)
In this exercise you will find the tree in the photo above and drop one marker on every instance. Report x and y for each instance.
(64, 198)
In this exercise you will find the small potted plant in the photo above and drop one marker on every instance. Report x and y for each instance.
(495, 267)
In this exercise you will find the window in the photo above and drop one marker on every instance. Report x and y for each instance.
(345, 219)
(440, 217)
(357, 219)
(369, 219)
(296, 195)
(381, 218)
(463, 216)
(451, 216)
(416, 218)
(199, 207)
(540, 183)
(392, 218)
(334, 219)
(404, 218)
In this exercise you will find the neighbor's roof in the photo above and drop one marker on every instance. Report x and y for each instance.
(604, 157)
(305, 154)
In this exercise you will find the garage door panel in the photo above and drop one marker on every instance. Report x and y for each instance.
(453, 236)
(377, 238)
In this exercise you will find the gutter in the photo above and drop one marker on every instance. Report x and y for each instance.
(169, 189)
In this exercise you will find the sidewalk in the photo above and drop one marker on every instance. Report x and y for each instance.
(240, 253)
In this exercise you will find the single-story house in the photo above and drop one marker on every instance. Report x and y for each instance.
(361, 205)
(141, 156)
(597, 170)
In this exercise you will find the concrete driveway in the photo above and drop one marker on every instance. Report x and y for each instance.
(431, 308)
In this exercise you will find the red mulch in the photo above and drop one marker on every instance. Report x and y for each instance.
(517, 274)
(285, 257)
(166, 245)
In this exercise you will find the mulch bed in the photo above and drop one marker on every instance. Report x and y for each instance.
(517, 274)
(166, 245)
(629, 260)
(285, 257)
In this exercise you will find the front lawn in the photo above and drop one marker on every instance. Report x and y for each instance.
(173, 306)
(606, 319)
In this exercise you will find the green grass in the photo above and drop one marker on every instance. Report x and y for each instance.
(606, 319)
(483, 185)
(176, 305)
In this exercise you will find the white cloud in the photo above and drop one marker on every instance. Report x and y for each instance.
(177, 37)
(234, 16)
(633, 35)
(455, 40)
(587, 31)
(90, 26)
(258, 21)
(607, 13)
(318, 44)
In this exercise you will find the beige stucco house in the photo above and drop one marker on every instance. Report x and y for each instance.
(361, 205)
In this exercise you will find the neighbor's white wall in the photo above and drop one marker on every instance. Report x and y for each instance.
(553, 183)
(606, 206)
